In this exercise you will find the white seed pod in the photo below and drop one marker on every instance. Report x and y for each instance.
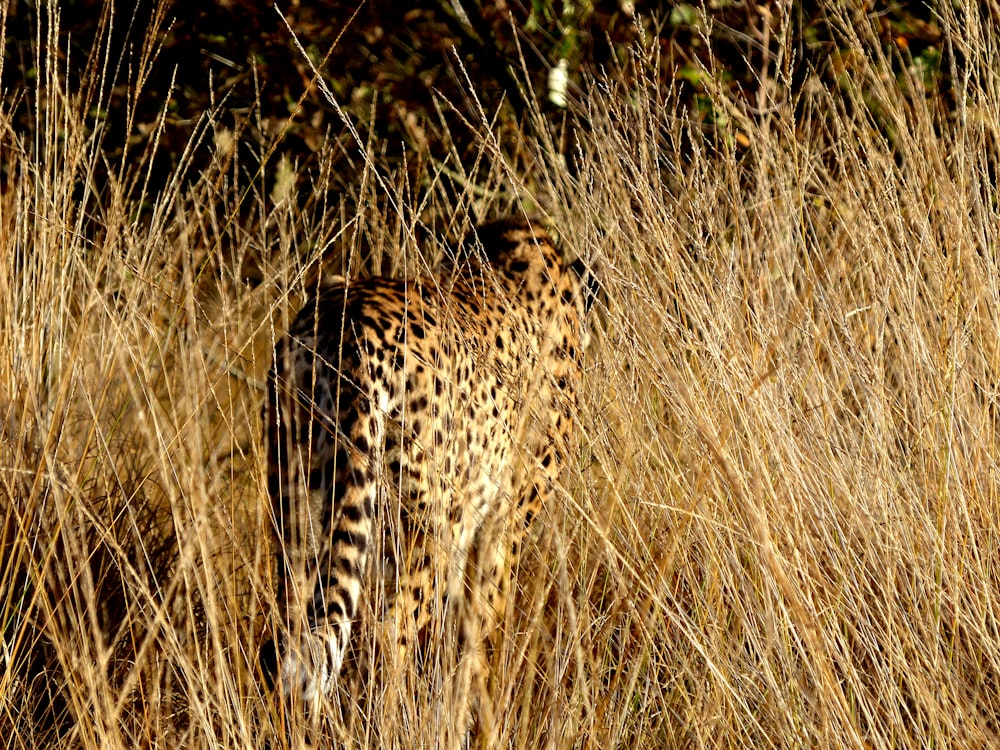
(558, 82)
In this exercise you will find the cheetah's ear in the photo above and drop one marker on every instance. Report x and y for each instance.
(589, 282)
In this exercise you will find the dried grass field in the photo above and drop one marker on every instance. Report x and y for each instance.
(781, 526)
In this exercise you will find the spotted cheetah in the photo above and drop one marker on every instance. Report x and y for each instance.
(414, 428)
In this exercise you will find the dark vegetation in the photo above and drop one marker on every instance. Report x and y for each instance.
(408, 80)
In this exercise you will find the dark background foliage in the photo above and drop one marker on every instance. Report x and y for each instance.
(409, 76)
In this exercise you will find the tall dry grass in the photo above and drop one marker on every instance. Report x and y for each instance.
(780, 527)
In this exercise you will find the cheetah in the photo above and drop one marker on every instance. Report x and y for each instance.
(414, 429)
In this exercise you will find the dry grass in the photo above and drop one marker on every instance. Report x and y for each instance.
(781, 528)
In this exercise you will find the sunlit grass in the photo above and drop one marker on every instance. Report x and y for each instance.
(779, 529)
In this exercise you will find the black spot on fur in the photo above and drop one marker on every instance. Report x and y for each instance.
(322, 477)
(351, 513)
